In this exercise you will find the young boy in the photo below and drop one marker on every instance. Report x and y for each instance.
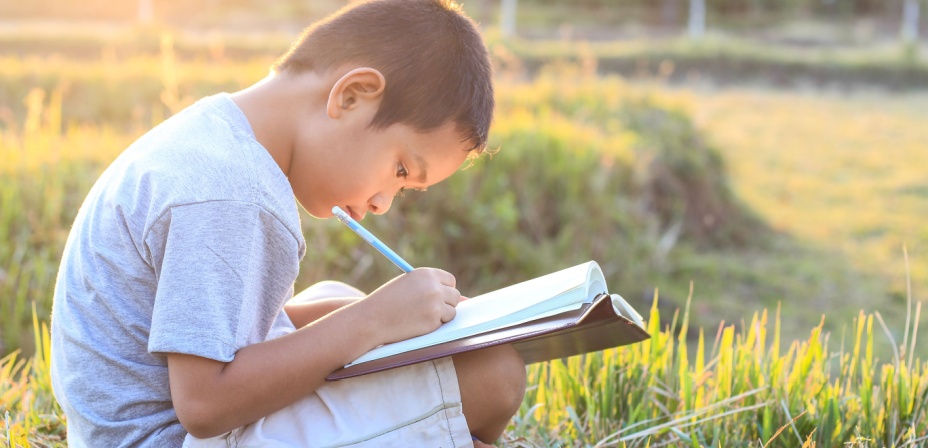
(173, 321)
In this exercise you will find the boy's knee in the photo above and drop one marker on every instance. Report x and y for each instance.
(327, 289)
(512, 373)
(499, 373)
(332, 288)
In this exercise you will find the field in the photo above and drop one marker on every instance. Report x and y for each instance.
(739, 215)
(841, 172)
(855, 162)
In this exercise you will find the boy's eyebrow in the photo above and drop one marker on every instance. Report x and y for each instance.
(421, 168)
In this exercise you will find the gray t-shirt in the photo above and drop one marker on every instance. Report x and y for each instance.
(190, 242)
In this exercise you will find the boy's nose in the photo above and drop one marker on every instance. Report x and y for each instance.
(380, 203)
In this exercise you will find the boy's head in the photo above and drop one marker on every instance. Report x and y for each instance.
(432, 56)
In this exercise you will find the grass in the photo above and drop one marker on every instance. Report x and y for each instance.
(840, 232)
(619, 145)
(39, 173)
(53, 146)
(31, 416)
(747, 390)
(716, 45)
(858, 161)
(841, 171)
(729, 59)
(744, 391)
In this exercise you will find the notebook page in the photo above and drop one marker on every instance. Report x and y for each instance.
(501, 308)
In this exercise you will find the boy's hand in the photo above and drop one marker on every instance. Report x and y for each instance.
(213, 397)
(413, 304)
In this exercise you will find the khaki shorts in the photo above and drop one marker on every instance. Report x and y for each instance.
(412, 406)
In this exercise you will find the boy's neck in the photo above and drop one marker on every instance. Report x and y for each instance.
(279, 105)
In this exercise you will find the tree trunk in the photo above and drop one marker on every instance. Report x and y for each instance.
(507, 18)
(697, 22)
(670, 13)
(909, 31)
(145, 12)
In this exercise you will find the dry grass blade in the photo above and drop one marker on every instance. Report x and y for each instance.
(791, 423)
(682, 418)
(656, 429)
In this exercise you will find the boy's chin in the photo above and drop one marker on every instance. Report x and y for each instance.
(318, 212)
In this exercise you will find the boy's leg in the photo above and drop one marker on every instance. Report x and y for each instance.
(411, 406)
(327, 289)
(492, 380)
(492, 383)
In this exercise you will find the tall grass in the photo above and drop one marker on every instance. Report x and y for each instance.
(30, 414)
(727, 59)
(747, 390)
(588, 168)
(744, 391)
(44, 173)
(841, 170)
(635, 170)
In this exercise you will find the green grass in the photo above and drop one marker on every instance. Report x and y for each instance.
(69, 116)
(565, 149)
(840, 172)
(721, 46)
(30, 414)
(43, 176)
(746, 390)
(751, 388)
(635, 162)
(728, 58)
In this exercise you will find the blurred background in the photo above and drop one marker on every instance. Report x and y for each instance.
(739, 156)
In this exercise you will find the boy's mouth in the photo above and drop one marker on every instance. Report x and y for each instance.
(353, 215)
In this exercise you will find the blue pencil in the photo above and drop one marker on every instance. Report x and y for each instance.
(370, 238)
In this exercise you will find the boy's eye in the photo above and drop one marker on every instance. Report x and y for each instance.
(402, 192)
(401, 171)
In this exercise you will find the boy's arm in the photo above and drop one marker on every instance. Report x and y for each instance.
(305, 313)
(212, 397)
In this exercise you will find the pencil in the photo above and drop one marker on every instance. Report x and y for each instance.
(370, 238)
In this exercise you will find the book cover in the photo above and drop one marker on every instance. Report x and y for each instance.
(561, 314)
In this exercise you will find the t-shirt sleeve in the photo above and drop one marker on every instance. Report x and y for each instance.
(224, 270)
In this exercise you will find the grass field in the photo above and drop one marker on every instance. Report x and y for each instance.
(741, 388)
(844, 170)
(841, 172)
(838, 176)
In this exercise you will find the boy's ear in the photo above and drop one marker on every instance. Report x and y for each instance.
(358, 85)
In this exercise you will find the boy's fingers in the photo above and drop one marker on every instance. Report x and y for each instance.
(453, 297)
(448, 313)
(435, 274)
(446, 278)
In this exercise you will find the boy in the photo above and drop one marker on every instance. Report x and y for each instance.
(173, 321)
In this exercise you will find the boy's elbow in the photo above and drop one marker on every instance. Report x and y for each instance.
(199, 419)
(198, 402)
(199, 432)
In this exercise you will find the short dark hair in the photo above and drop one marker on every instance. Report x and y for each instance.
(432, 55)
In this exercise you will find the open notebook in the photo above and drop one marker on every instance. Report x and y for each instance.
(564, 313)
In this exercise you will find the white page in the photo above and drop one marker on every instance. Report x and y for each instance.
(508, 300)
(477, 314)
